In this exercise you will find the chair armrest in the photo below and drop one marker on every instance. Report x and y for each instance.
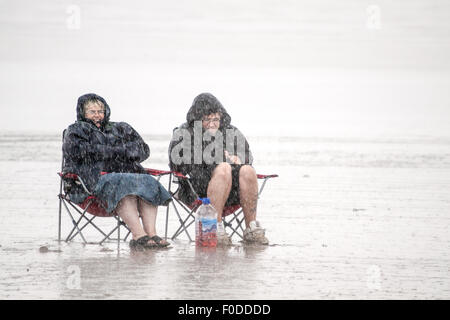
(155, 172)
(179, 175)
(77, 178)
(68, 175)
(266, 176)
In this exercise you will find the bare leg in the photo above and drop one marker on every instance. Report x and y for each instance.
(148, 214)
(248, 188)
(127, 209)
(219, 187)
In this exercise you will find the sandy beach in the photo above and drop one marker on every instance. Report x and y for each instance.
(346, 219)
(348, 102)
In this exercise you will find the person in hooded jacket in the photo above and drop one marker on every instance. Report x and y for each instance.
(93, 145)
(216, 157)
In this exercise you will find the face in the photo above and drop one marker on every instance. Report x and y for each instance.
(94, 112)
(211, 122)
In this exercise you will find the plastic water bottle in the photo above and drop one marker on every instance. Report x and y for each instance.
(206, 225)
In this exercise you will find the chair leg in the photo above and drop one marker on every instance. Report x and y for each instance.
(60, 196)
(72, 235)
(77, 228)
(75, 225)
(128, 234)
(118, 233)
(183, 226)
(110, 233)
(168, 206)
(229, 224)
(167, 222)
(89, 221)
(59, 218)
(117, 227)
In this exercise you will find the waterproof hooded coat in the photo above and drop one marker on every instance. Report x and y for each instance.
(89, 150)
(191, 146)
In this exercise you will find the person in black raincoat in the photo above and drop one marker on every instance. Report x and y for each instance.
(93, 145)
(217, 158)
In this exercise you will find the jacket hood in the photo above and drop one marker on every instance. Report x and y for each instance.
(82, 100)
(205, 104)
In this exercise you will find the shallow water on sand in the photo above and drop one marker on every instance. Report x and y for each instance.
(347, 218)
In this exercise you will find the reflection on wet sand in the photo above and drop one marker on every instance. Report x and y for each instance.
(376, 228)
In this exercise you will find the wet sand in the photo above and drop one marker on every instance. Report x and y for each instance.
(346, 219)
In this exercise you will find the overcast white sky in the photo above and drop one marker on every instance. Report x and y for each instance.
(322, 68)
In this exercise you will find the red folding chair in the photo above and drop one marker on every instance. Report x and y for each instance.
(231, 215)
(93, 206)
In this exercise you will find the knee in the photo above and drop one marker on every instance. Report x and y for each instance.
(247, 174)
(223, 171)
(128, 200)
(126, 204)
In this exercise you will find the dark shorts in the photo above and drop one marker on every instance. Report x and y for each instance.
(200, 178)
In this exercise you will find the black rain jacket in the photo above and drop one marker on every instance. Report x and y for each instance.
(200, 107)
(89, 150)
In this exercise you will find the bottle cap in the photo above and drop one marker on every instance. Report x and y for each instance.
(205, 200)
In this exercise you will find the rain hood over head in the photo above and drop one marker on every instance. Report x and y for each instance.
(87, 97)
(205, 104)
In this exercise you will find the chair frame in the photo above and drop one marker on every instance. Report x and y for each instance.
(89, 203)
(91, 200)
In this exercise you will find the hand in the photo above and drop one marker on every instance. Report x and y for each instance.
(233, 159)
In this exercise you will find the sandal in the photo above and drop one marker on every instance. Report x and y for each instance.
(159, 242)
(143, 243)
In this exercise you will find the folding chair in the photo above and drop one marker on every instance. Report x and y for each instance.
(92, 206)
(230, 216)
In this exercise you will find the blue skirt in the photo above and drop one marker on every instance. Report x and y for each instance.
(112, 187)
